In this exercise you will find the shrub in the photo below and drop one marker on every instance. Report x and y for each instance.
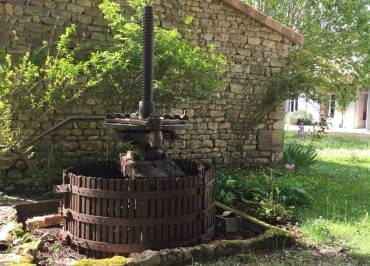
(31, 91)
(182, 69)
(301, 117)
(298, 155)
(270, 197)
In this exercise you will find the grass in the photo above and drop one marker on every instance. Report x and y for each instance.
(338, 215)
(293, 256)
(335, 227)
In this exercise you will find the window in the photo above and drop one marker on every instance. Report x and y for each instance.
(364, 112)
(293, 105)
(332, 106)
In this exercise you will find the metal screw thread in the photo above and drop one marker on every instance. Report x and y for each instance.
(148, 44)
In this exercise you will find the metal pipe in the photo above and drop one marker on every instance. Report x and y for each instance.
(147, 106)
(69, 119)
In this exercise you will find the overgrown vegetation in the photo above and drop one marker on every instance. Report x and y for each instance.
(335, 56)
(182, 69)
(328, 197)
(272, 196)
(32, 91)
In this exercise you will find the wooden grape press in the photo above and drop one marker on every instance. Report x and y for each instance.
(146, 201)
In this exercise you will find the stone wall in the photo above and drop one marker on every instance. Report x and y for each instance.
(231, 128)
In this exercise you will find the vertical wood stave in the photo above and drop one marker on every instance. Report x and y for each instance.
(141, 208)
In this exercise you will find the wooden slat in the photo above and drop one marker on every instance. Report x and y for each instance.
(145, 212)
(99, 185)
(88, 233)
(83, 207)
(131, 213)
(105, 212)
(139, 211)
(87, 211)
(166, 210)
(191, 225)
(117, 212)
(159, 203)
(179, 184)
(111, 212)
(196, 224)
(152, 205)
(72, 222)
(77, 182)
(93, 208)
(124, 212)
(185, 208)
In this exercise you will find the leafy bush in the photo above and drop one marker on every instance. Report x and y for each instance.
(30, 90)
(298, 155)
(270, 197)
(181, 69)
(302, 117)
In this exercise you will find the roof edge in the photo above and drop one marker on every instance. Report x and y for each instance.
(266, 20)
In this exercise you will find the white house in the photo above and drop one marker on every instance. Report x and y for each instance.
(356, 116)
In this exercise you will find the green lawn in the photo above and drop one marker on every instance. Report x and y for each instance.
(340, 187)
(335, 226)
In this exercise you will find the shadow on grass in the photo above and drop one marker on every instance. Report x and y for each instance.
(338, 215)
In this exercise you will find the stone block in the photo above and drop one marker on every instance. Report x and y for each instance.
(220, 143)
(8, 9)
(236, 88)
(61, 14)
(36, 11)
(238, 39)
(84, 19)
(269, 44)
(84, 3)
(277, 63)
(270, 140)
(18, 10)
(75, 8)
(37, 27)
(257, 70)
(254, 40)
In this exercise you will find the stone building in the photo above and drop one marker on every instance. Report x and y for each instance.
(226, 129)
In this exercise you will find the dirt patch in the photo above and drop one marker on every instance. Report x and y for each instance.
(53, 249)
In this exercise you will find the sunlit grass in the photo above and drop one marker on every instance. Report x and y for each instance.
(338, 215)
(348, 236)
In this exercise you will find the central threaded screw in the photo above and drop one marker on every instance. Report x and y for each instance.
(147, 105)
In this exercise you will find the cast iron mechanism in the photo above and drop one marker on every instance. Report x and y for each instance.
(146, 130)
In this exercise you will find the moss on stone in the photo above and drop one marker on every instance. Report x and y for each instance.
(115, 261)
(267, 228)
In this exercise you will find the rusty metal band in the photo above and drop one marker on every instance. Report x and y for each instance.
(115, 194)
(135, 222)
(128, 248)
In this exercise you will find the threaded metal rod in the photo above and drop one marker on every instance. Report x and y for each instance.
(147, 105)
(148, 42)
